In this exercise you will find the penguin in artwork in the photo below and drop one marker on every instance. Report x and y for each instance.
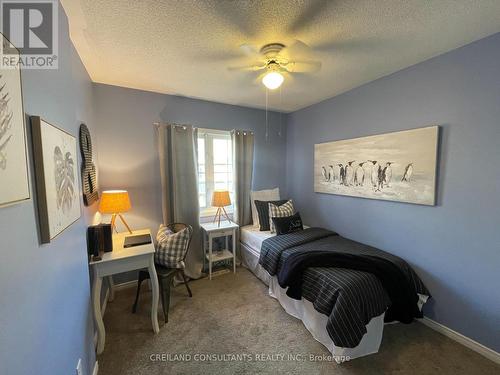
(341, 174)
(359, 175)
(331, 171)
(349, 173)
(408, 172)
(380, 178)
(338, 172)
(374, 174)
(388, 173)
(325, 174)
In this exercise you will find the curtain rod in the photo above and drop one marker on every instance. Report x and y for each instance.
(158, 124)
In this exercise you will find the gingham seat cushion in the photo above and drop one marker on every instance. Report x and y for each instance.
(283, 210)
(171, 247)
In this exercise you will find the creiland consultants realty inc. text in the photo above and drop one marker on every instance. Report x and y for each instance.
(244, 357)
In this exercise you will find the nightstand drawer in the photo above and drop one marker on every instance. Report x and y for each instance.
(221, 233)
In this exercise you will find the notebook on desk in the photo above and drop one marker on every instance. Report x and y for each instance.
(137, 240)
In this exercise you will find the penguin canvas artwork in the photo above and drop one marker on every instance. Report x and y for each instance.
(398, 166)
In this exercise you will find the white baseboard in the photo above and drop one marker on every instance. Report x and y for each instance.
(461, 339)
(96, 368)
(122, 286)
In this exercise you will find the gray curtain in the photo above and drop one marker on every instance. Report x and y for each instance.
(179, 179)
(243, 170)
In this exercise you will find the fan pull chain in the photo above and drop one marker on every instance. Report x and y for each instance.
(281, 113)
(267, 123)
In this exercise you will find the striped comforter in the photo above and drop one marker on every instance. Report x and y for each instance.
(349, 298)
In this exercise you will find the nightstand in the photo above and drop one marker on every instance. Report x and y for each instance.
(211, 231)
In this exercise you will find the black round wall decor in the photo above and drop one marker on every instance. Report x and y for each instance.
(89, 180)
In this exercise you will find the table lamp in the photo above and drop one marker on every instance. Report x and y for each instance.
(115, 202)
(221, 199)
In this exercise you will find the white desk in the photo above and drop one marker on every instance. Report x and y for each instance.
(213, 230)
(122, 260)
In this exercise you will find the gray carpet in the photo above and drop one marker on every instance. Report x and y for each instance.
(232, 314)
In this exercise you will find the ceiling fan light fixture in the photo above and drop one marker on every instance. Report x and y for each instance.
(273, 80)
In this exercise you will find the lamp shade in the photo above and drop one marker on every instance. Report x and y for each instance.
(114, 202)
(221, 198)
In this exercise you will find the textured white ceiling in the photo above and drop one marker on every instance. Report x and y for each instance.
(184, 47)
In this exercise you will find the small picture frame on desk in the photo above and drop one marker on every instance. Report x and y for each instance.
(99, 239)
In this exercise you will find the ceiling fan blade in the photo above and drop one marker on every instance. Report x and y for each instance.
(352, 45)
(233, 15)
(298, 50)
(250, 50)
(306, 66)
(216, 56)
(313, 10)
(247, 68)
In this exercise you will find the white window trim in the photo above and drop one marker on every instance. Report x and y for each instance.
(210, 211)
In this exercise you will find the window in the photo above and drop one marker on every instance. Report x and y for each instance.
(215, 167)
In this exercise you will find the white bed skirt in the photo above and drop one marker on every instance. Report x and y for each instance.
(250, 260)
(314, 321)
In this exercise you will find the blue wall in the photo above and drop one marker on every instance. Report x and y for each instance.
(45, 317)
(128, 156)
(455, 246)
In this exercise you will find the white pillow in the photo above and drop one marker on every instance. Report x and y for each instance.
(262, 195)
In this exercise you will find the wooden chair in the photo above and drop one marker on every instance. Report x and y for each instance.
(166, 275)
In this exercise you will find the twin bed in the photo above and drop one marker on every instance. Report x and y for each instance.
(344, 307)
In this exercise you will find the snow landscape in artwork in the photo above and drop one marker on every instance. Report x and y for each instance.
(399, 166)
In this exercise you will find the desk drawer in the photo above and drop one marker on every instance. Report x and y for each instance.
(122, 265)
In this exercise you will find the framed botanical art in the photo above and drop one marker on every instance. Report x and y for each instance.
(14, 186)
(56, 172)
(398, 166)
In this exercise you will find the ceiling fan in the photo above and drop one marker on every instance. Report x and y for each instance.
(276, 59)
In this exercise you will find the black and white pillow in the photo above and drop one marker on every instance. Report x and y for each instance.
(171, 247)
(288, 224)
(263, 212)
(284, 210)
